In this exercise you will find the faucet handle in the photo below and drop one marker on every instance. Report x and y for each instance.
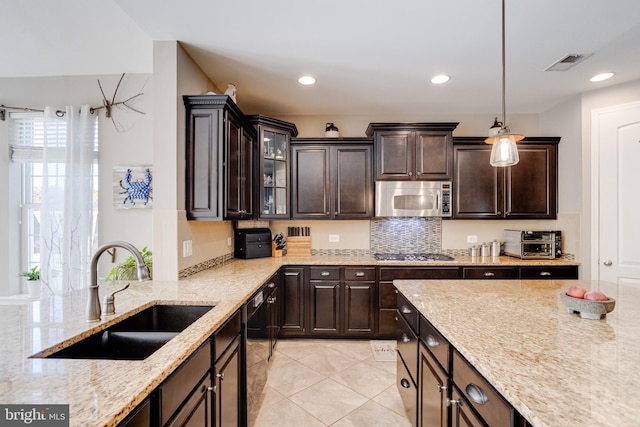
(109, 301)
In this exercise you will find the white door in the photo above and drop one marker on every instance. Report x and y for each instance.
(616, 165)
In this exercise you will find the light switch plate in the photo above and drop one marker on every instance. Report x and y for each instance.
(334, 238)
(472, 239)
(187, 248)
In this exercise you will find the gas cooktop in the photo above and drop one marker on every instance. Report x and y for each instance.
(412, 257)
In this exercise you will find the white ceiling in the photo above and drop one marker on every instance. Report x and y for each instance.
(369, 56)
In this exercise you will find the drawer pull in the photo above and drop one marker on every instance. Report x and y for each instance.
(545, 273)
(405, 309)
(325, 274)
(360, 274)
(220, 375)
(272, 285)
(395, 291)
(489, 274)
(432, 341)
(405, 338)
(405, 383)
(476, 394)
(442, 388)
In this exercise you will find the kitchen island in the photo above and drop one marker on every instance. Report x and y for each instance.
(553, 367)
(103, 392)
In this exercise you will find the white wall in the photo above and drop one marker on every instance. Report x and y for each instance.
(131, 147)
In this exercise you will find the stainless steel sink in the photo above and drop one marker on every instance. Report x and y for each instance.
(135, 337)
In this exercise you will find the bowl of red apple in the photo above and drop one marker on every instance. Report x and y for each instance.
(589, 304)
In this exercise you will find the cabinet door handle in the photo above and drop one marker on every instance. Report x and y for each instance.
(360, 274)
(476, 394)
(410, 173)
(489, 274)
(432, 341)
(545, 273)
(272, 285)
(405, 338)
(220, 375)
(608, 263)
(442, 388)
(325, 274)
(405, 383)
(211, 389)
(405, 309)
(453, 402)
(395, 291)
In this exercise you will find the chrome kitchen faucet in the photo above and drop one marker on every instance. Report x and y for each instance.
(93, 303)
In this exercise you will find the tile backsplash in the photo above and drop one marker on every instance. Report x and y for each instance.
(406, 235)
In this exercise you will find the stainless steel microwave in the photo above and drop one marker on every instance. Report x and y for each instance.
(413, 198)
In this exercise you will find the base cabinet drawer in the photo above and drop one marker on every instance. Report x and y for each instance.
(462, 415)
(486, 401)
(561, 272)
(490, 273)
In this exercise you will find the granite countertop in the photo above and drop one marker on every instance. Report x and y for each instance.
(554, 367)
(103, 392)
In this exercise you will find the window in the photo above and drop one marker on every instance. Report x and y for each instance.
(27, 135)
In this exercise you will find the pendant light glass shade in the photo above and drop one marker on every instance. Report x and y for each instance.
(504, 151)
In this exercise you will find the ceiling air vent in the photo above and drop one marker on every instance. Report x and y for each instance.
(568, 61)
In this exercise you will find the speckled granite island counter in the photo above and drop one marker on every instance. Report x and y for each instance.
(554, 367)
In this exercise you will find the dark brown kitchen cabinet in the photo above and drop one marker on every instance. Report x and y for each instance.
(227, 400)
(219, 159)
(342, 301)
(331, 178)
(527, 190)
(196, 410)
(293, 302)
(433, 396)
(412, 151)
(139, 417)
(187, 385)
(272, 168)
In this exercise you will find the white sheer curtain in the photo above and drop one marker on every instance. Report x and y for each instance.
(67, 233)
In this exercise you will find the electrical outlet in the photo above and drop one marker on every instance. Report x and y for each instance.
(229, 242)
(472, 239)
(187, 248)
(334, 238)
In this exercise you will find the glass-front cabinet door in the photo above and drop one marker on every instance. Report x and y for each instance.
(274, 136)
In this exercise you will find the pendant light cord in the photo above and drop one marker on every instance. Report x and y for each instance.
(504, 102)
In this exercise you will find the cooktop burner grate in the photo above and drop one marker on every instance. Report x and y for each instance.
(412, 257)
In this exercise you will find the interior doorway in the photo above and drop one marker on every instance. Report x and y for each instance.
(615, 190)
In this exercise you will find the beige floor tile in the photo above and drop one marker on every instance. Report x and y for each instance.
(329, 382)
(328, 401)
(390, 399)
(358, 349)
(372, 414)
(327, 361)
(292, 377)
(286, 414)
(365, 379)
(297, 349)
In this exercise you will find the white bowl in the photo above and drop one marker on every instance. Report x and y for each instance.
(588, 309)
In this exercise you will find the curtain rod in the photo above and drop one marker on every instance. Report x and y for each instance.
(59, 113)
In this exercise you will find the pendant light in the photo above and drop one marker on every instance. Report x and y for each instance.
(504, 151)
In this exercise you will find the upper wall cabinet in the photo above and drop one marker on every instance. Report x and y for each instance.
(331, 178)
(219, 159)
(527, 190)
(413, 151)
(272, 170)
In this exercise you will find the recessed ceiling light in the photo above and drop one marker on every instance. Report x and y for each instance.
(439, 79)
(306, 80)
(600, 77)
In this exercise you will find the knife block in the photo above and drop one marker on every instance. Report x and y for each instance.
(299, 246)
